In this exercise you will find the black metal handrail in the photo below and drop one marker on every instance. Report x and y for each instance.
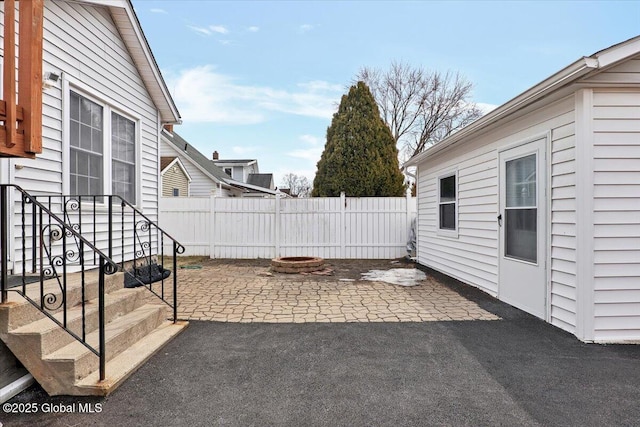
(48, 258)
(140, 239)
(77, 232)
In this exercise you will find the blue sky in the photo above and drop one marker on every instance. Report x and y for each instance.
(261, 79)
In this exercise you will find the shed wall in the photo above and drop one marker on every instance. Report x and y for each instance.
(616, 213)
(472, 257)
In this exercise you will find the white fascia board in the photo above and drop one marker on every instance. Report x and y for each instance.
(618, 52)
(108, 3)
(229, 163)
(562, 78)
(177, 162)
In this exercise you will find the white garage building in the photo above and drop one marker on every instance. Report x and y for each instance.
(538, 202)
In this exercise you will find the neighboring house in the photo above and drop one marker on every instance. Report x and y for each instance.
(538, 202)
(175, 178)
(103, 107)
(206, 177)
(264, 180)
(238, 169)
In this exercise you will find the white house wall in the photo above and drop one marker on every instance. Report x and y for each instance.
(83, 45)
(472, 257)
(616, 212)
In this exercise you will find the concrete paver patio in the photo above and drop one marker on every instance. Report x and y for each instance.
(246, 292)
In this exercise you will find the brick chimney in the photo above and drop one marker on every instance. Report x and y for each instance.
(169, 128)
(216, 156)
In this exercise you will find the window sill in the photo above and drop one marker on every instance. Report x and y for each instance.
(451, 234)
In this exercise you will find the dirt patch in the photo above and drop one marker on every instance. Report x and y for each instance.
(342, 268)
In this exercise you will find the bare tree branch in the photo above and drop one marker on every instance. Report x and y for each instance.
(420, 107)
(298, 186)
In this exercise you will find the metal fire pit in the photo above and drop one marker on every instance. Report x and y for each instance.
(297, 264)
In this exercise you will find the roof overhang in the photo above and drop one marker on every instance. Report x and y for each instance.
(254, 188)
(554, 84)
(131, 32)
(194, 163)
(235, 162)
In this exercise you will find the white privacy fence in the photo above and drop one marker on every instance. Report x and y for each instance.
(337, 227)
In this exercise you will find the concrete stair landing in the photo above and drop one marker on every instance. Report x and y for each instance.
(136, 327)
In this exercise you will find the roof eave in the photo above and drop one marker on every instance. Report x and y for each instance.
(178, 162)
(131, 32)
(568, 74)
(252, 187)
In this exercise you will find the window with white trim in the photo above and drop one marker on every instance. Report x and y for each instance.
(102, 149)
(447, 202)
(86, 140)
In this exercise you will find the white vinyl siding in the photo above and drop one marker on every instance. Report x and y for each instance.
(563, 227)
(616, 213)
(83, 45)
(473, 256)
(627, 72)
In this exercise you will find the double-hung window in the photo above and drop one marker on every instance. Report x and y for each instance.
(102, 150)
(447, 203)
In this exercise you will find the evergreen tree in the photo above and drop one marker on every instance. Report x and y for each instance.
(360, 156)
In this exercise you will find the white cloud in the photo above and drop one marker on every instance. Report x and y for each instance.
(219, 29)
(304, 28)
(200, 30)
(253, 29)
(205, 95)
(312, 154)
(156, 10)
(310, 139)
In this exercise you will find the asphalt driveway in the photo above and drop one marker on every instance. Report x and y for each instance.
(514, 371)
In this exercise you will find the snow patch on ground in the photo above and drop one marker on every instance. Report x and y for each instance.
(396, 276)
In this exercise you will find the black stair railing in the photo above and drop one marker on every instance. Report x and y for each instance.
(52, 252)
(59, 235)
(121, 230)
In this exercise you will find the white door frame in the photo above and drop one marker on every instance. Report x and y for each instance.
(543, 149)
